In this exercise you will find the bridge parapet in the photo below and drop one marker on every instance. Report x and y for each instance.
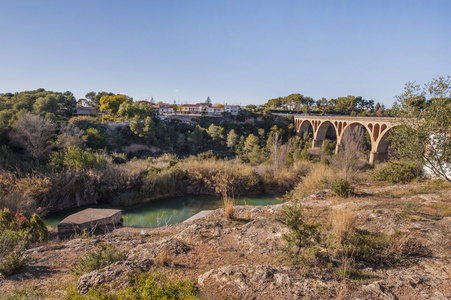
(377, 128)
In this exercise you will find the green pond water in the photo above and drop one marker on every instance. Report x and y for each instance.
(164, 211)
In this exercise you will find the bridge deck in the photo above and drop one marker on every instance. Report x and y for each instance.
(347, 118)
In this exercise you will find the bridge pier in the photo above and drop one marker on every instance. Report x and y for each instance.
(378, 157)
(337, 148)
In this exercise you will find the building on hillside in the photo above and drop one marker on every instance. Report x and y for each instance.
(86, 111)
(147, 102)
(188, 109)
(215, 110)
(233, 109)
(164, 108)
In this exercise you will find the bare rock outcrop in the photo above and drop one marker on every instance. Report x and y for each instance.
(114, 273)
(247, 281)
(172, 247)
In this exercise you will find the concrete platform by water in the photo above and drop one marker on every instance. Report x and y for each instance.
(90, 219)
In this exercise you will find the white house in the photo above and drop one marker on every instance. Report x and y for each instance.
(233, 109)
(164, 108)
(214, 110)
(191, 109)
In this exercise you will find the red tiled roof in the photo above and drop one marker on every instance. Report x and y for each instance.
(147, 102)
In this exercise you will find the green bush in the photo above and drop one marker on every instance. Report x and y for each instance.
(16, 234)
(342, 188)
(7, 220)
(12, 247)
(397, 171)
(95, 260)
(303, 238)
(76, 158)
(39, 231)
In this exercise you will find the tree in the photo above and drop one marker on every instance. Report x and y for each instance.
(251, 107)
(261, 133)
(277, 153)
(255, 156)
(424, 133)
(90, 96)
(112, 103)
(99, 95)
(232, 139)
(250, 142)
(56, 103)
(213, 131)
(32, 132)
(94, 139)
(209, 101)
(180, 144)
(195, 139)
(130, 110)
(70, 136)
(351, 156)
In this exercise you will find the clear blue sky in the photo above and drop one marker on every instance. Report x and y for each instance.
(238, 52)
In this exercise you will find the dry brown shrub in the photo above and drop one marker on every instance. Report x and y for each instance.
(229, 209)
(398, 242)
(124, 176)
(319, 177)
(219, 176)
(287, 178)
(34, 185)
(163, 258)
(343, 224)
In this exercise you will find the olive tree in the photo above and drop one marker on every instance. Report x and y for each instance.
(424, 133)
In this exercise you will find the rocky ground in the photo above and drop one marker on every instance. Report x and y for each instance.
(240, 259)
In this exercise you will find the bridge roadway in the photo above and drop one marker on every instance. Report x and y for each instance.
(378, 129)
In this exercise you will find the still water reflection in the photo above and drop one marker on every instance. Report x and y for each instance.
(165, 211)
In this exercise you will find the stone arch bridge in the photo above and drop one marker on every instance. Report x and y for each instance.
(377, 128)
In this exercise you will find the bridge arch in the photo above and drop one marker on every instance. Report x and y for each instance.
(382, 144)
(324, 128)
(304, 126)
(377, 127)
(352, 128)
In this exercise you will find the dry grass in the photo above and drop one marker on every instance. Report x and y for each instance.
(163, 258)
(219, 176)
(442, 210)
(318, 178)
(397, 242)
(229, 209)
(248, 212)
(343, 224)
(342, 291)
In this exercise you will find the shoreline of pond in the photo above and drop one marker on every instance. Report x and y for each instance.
(164, 211)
